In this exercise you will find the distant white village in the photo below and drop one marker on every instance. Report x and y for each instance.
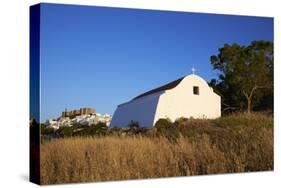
(83, 116)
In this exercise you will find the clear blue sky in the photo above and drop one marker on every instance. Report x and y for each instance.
(100, 57)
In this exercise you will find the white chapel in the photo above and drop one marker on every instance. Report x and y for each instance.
(189, 96)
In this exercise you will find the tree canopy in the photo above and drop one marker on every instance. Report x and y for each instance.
(245, 74)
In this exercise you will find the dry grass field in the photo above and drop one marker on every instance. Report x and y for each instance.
(237, 143)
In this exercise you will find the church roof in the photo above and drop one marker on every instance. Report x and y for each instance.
(168, 86)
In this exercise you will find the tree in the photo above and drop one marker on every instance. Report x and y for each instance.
(244, 72)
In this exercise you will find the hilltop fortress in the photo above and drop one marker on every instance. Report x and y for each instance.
(74, 113)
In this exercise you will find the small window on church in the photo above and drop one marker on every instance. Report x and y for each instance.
(195, 90)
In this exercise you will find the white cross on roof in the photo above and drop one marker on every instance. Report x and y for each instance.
(193, 70)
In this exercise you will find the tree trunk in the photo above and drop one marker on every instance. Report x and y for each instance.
(249, 99)
(249, 105)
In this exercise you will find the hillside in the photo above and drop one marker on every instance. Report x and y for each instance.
(230, 144)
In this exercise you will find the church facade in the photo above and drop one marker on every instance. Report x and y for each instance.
(189, 96)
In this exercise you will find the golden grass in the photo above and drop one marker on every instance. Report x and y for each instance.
(107, 158)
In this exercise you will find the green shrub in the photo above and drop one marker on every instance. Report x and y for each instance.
(65, 131)
(134, 125)
(181, 121)
(163, 124)
(100, 128)
(47, 130)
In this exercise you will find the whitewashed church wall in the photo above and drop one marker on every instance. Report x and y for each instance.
(142, 110)
(181, 102)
